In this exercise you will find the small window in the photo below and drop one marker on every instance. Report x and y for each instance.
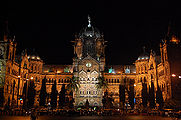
(117, 80)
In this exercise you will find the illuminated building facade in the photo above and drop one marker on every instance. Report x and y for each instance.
(89, 64)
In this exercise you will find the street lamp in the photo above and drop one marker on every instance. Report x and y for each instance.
(18, 89)
(26, 92)
(173, 75)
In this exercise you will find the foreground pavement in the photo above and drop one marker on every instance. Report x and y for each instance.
(88, 118)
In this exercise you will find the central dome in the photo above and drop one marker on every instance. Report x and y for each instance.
(144, 55)
(89, 31)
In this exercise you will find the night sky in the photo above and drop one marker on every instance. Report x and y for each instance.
(48, 26)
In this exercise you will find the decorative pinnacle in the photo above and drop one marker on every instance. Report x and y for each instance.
(144, 49)
(89, 21)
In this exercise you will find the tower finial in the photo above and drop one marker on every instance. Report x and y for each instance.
(89, 21)
(144, 51)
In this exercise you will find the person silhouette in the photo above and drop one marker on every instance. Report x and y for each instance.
(33, 115)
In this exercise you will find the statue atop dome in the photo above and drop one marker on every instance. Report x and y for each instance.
(89, 21)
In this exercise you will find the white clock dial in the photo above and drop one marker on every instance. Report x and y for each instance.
(88, 64)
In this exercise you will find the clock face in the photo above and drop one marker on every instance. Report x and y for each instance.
(88, 64)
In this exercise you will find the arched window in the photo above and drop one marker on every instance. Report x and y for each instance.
(145, 79)
(67, 80)
(117, 80)
(151, 76)
(59, 81)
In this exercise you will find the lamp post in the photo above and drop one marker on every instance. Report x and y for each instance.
(26, 92)
(18, 90)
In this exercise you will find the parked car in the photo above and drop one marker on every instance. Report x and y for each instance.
(177, 114)
(154, 112)
(168, 112)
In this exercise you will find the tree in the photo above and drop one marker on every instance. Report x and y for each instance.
(24, 95)
(122, 94)
(31, 94)
(71, 100)
(73, 84)
(43, 93)
(102, 83)
(159, 97)
(62, 96)
(107, 100)
(1, 96)
(131, 95)
(104, 99)
(152, 96)
(54, 93)
(144, 95)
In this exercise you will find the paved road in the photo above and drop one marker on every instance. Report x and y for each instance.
(88, 118)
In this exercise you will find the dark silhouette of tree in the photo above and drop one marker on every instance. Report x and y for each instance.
(131, 94)
(7, 106)
(1, 96)
(144, 95)
(54, 93)
(122, 94)
(62, 96)
(12, 103)
(24, 94)
(152, 96)
(102, 83)
(71, 100)
(73, 83)
(104, 99)
(107, 101)
(31, 94)
(43, 93)
(159, 97)
(110, 101)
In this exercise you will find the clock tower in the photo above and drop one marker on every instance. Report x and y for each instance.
(88, 64)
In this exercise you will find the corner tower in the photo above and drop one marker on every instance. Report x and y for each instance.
(88, 64)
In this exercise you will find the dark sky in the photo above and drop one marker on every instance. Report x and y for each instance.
(49, 26)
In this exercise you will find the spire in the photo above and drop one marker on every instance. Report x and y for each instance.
(144, 49)
(6, 32)
(89, 21)
(172, 33)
